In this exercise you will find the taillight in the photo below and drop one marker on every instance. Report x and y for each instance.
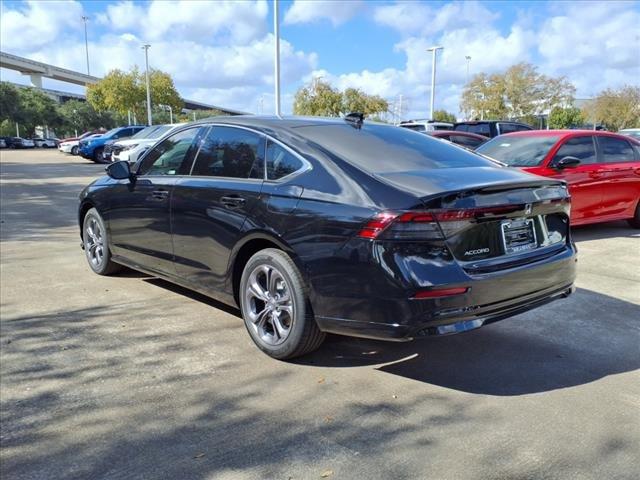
(402, 226)
(422, 225)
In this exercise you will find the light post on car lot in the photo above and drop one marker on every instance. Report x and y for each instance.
(468, 57)
(146, 60)
(276, 35)
(433, 50)
(86, 42)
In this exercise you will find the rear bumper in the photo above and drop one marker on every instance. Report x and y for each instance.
(372, 306)
(475, 317)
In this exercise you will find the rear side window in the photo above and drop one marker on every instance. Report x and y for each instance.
(230, 152)
(172, 156)
(508, 128)
(615, 150)
(379, 148)
(582, 148)
(280, 162)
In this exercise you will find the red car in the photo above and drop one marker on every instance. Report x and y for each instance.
(464, 139)
(602, 169)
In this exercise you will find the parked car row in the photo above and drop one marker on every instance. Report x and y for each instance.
(19, 142)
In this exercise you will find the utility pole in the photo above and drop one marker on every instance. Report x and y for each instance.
(146, 60)
(276, 33)
(170, 113)
(468, 60)
(86, 42)
(433, 50)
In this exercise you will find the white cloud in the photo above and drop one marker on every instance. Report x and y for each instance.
(37, 24)
(595, 44)
(413, 18)
(199, 21)
(305, 11)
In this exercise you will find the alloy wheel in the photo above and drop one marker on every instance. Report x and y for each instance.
(269, 305)
(94, 242)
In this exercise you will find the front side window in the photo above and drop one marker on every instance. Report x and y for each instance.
(518, 151)
(172, 156)
(508, 128)
(579, 147)
(280, 162)
(230, 152)
(615, 150)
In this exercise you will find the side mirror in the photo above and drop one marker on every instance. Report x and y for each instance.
(119, 170)
(567, 162)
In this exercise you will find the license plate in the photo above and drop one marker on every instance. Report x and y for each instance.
(518, 235)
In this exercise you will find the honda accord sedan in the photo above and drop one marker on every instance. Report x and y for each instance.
(313, 225)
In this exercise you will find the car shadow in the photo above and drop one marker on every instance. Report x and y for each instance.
(563, 344)
(599, 231)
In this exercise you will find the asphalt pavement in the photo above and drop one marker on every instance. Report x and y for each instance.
(129, 377)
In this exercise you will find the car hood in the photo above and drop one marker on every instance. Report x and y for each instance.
(438, 181)
(137, 141)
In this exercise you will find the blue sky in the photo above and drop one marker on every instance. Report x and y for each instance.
(221, 52)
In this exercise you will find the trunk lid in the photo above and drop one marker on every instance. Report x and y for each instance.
(492, 218)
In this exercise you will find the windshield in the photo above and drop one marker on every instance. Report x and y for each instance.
(161, 130)
(111, 132)
(517, 151)
(384, 149)
(146, 132)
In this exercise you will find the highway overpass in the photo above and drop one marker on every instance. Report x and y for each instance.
(37, 70)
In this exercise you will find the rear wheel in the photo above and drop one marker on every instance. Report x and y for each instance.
(74, 150)
(275, 306)
(96, 244)
(635, 221)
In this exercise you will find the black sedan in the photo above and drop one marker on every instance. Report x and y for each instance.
(328, 225)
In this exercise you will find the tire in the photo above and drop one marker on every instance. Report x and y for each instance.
(74, 150)
(275, 306)
(635, 221)
(97, 155)
(96, 244)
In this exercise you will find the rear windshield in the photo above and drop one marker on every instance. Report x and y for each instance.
(518, 151)
(384, 149)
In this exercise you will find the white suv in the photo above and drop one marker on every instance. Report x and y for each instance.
(131, 148)
(426, 125)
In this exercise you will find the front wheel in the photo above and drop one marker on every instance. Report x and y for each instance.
(96, 244)
(97, 155)
(635, 221)
(275, 306)
(74, 150)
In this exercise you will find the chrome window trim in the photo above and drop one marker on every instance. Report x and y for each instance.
(306, 166)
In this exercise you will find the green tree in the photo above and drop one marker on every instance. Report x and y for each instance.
(444, 116)
(519, 92)
(323, 100)
(81, 116)
(615, 108)
(9, 102)
(565, 117)
(36, 108)
(124, 92)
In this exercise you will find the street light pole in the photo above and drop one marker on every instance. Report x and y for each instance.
(170, 113)
(468, 60)
(433, 50)
(276, 33)
(146, 60)
(86, 42)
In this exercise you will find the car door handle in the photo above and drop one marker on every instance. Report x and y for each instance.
(160, 194)
(232, 201)
(596, 173)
